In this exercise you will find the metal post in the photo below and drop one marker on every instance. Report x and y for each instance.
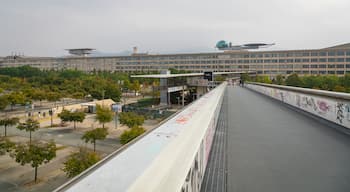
(183, 95)
(116, 120)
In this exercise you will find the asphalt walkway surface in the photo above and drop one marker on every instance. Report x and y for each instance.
(271, 148)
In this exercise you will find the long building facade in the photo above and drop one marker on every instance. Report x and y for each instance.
(332, 60)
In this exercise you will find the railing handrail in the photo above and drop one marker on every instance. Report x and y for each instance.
(332, 94)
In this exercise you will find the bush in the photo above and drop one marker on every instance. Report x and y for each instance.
(131, 134)
(131, 119)
(79, 161)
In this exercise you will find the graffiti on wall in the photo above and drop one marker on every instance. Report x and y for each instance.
(335, 110)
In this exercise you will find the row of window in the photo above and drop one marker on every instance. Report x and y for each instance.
(298, 60)
(235, 55)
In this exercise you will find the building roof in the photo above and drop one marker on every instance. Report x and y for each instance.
(342, 46)
(161, 76)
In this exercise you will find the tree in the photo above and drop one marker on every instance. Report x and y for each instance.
(8, 122)
(245, 77)
(3, 102)
(279, 79)
(95, 134)
(74, 117)
(79, 161)
(16, 98)
(131, 134)
(5, 145)
(112, 91)
(263, 79)
(131, 119)
(38, 94)
(53, 96)
(135, 86)
(294, 80)
(34, 154)
(103, 115)
(30, 126)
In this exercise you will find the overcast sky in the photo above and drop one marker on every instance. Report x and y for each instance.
(47, 27)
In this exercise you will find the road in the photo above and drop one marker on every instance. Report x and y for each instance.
(273, 148)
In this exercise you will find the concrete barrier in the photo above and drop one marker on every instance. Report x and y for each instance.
(331, 106)
(173, 157)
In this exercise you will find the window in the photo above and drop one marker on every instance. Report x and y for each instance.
(340, 72)
(347, 66)
(305, 66)
(340, 59)
(331, 53)
(322, 54)
(314, 66)
(347, 59)
(306, 54)
(314, 54)
(282, 55)
(340, 53)
(340, 66)
(331, 60)
(322, 60)
(314, 60)
(331, 66)
(306, 60)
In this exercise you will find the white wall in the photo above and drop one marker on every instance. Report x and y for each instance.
(336, 110)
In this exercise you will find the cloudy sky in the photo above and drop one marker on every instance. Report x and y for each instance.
(47, 27)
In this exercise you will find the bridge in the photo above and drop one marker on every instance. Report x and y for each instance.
(258, 138)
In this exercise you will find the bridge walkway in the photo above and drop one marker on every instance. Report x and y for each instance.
(270, 147)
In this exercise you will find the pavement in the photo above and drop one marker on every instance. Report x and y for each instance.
(272, 148)
(14, 177)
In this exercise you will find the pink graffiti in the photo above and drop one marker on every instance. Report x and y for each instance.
(323, 106)
(182, 120)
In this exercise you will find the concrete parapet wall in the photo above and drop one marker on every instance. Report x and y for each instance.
(171, 157)
(181, 165)
(332, 106)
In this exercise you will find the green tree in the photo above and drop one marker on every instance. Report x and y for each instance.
(34, 154)
(136, 86)
(263, 79)
(95, 134)
(5, 145)
(103, 115)
(294, 80)
(112, 91)
(131, 119)
(53, 97)
(16, 98)
(74, 117)
(30, 126)
(339, 88)
(4, 102)
(279, 80)
(245, 77)
(219, 78)
(79, 161)
(38, 95)
(8, 122)
(131, 134)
